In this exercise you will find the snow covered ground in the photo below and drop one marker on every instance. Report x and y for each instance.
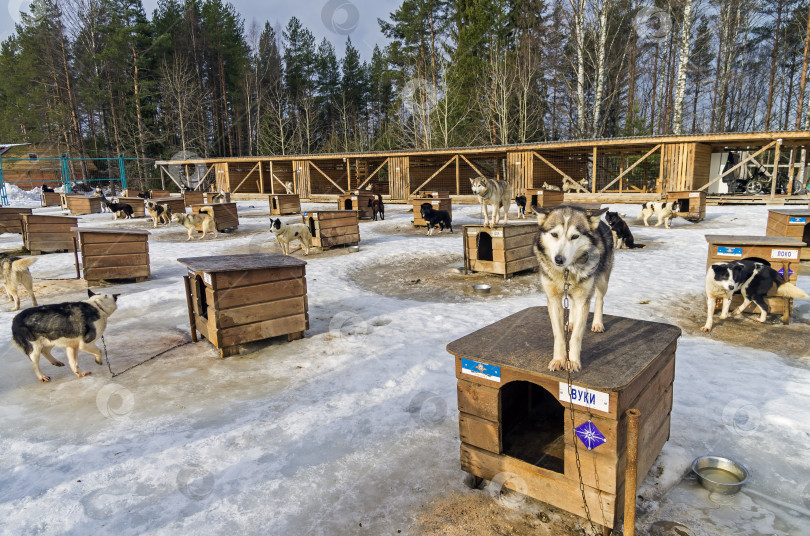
(354, 429)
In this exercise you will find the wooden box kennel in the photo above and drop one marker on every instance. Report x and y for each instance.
(543, 198)
(503, 249)
(193, 198)
(50, 199)
(129, 192)
(48, 233)
(235, 299)
(793, 223)
(515, 415)
(177, 204)
(433, 194)
(11, 219)
(357, 200)
(782, 253)
(159, 194)
(692, 205)
(82, 204)
(438, 203)
(225, 215)
(110, 254)
(281, 204)
(331, 228)
(137, 204)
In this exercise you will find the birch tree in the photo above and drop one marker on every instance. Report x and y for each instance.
(683, 62)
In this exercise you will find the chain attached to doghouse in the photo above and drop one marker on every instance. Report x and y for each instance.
(114, 374)
(567, 336)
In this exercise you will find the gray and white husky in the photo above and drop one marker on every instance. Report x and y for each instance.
(663, 211)
(574, 239)
(15, 274)
(73, 326)
(495, 193)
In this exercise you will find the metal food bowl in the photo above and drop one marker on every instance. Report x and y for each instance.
(720, 475)
(354, 249)
(482, 289)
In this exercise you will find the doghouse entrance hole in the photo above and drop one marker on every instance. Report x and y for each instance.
(806, 235)
(311, 223)
(484, 243)
(532, 424)
(202, 301)
(275, 203)
(347, 204)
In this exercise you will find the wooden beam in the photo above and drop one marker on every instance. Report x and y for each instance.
(261, 178)
(272, 184)
(472, 166)
(631, 168)
(349, 173)
(327, 178)
(565, 176)
(775, 173)
(740, 164)
(177, 181)
(593, 172)
(372, 174)
(458, 182)
(434, 174)
(246, 178)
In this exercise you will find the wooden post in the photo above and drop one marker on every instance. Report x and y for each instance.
(593, 172)
(631, 472)
(76, 258)
(348, 174)
(192, 323)
(659, 183)
(621, 171)
(775, 167)
(185, 166)
(162, 179)
(272, 182)
(458, 188)
(261, 177)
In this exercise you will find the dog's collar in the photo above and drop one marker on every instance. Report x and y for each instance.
(98, 305)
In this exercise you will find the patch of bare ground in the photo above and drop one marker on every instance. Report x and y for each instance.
(438, 278)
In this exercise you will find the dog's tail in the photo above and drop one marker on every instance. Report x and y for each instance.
(209, 211)
(21, 265)
(21, 335)
(789, 290)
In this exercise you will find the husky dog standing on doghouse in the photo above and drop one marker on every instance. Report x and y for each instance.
(576, 240)
(495, 193)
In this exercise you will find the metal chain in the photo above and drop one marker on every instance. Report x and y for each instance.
(106, 357)
(567, 337)
(114, 374)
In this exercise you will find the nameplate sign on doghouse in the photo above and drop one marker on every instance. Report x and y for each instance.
(792, 254)
(582, 396)
(694, 194)
(481, 370)
(797, 220)
(729, 252)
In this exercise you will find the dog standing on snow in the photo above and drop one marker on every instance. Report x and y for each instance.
(159, 213)
(436, 218)
(377, 207)
(663, 211)
(753, 278)
(622, 237)
(574, 239)
(287, 232)
(495, 193)
(73, 326)
(520, 201)
(15, 275)
(204, 219)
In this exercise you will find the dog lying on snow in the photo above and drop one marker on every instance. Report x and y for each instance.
(622, 237)
(663, 211)
(753, 278)
(574, 239)
(287, 232)
(435, 218)
(204, 219)
(73, 326)
(15, 275)
(159, 213)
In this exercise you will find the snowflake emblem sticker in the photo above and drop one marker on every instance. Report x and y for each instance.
(590, 435)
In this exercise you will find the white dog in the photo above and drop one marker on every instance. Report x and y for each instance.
(204, 219)
(287, 232)
(663, 211)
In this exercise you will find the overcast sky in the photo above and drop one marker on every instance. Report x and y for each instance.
(333, 19)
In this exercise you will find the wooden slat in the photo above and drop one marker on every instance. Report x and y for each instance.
(478, 400)
(107, 261)
(262, 330)
(238, 297)
(235, 279)
(116, 272)
(260, 312)
(479, 432)
(123, 248)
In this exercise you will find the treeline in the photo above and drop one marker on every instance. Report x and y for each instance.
(102, 78)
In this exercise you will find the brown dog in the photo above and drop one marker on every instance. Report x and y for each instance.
(377, 207)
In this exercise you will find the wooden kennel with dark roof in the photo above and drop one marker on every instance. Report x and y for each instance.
(691, 205)
(137, 204)
(332, 228)
(11, 219)
(48, 233)
(193, 197)
(177, 204)
(283, 204)
(114, 254)
(226, 216)
(79, 205)
(792, 223)
(502, 249)
(543, 198)
(236, 299)
(515, 417)
(438, 203)
(357, 200)
(50, 199)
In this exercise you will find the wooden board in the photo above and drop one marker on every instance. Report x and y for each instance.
(79, 205)
(48, 233)
(225, 214)
(357, 201)
(332, 228)
(50, 199)
(437, 203)
(177, 204)
(11, 219)
(114, 253)
(692, 204)
(790, 223)
(281, 204)
(137, 204)
(160, 194)
(510, 251)
(193, 198)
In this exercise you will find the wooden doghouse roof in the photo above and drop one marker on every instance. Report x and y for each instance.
(754, 240)
(610, 360)
(231, 263)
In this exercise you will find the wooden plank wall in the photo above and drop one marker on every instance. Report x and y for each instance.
(701, 165)
(678, 166)
(399, 182)
(520, 170)
(301, 173)
(221, 181)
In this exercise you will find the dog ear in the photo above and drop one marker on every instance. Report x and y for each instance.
(542, 213)
(595, 216)
(115, 297)
(472, 180)
(90, 293)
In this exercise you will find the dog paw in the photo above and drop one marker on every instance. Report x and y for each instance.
(598, 328)
(83, 374)
(574, 366)
(58, 364)
(98, 361)
(723, 317)
(45, 379)
(570, 327)
(556, 364)
(706, 329)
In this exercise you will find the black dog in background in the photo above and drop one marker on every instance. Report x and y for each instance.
(436, 218)
(46, 188)
(377, 207)
(520, 201)
(622, 237)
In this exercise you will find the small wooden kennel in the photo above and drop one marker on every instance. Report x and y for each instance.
(137, 204)
(357, 200)
(193, 197)
(691, 205)
(782, 253)
(225, 215)
(235, 299)
(281, 204)
(159, 194)
(433, 194)
(50, 199)
(503, 249)
(11, 219)
(543, 198)
(332, 228)
(129, 192)
(82, 204)
(438, 203)
(177, 204)
(111, 254)
(793, 223)
(515, 415)
(48, 233)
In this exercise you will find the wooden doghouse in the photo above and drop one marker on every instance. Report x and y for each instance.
(217, 197)
(515, 415)
(357, 200)
(48, 233)
(782, 253)
(331, 228)
(11, 219)
(281, 204)
(129, 192)
(542, 198)
(177, 204)
(50, 199)
(110, 254)
(691, 205)
(159, 194)
(192, 197)
(503, 249)
(235, 299)
(433, 194)
(137, 204)
(82, 204)
(225, 215)
(438, 203)
(794, 223)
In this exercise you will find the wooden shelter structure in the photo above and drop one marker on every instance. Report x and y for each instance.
(597, 170)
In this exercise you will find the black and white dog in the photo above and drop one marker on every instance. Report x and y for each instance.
(119, 209)
(46, 188)
(753, 278)
(520, 201)
(436, 218)
(73, 326)
(622, 237)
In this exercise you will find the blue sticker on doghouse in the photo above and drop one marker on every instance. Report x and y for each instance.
(481, 370)
(781, 272)
(797, 220)
(590, 435)
(729, 252)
